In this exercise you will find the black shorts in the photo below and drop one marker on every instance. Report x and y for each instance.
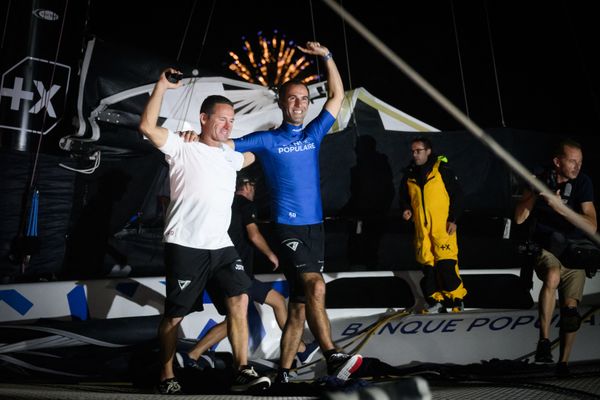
(302, 249)
(258, 291)
(189, 271)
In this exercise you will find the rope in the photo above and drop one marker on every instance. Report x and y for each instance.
(212, 9)
(34, 203)
(555, 342)
(5, 25)
(347, 52)
(462, 74)
(186, 29)
(353, 113)
(489, 28)
(39, 146)
(314, 32)
(33, 215)
(574, 218)
(362, 337)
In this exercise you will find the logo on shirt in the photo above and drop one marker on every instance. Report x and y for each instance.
(183, 284)
(239, 266)
(297, 146)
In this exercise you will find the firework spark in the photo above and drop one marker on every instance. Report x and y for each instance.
(274, 62)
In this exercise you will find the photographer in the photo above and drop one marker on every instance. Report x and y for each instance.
(554, 234)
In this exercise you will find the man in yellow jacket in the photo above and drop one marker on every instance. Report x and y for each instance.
(431, 195)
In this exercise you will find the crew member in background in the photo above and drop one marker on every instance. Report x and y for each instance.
(430, 194)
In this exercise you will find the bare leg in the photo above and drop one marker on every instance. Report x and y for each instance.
(547, 301)
(212, 337)
(277, 302)
(237, 328)
(316, 316)
(292, 334)
(167, 335)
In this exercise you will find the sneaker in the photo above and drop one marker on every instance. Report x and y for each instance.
(458, 305)
(437, 308)
(342, 365)
(185, 361)
(307, 355)
(247, 378)
(282, 377)
(543, 353)
(169, 386)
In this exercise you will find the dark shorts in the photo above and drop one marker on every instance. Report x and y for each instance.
(258, 291)
(302, 249)
(189, 271)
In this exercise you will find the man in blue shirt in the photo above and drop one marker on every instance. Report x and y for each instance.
(290, 158)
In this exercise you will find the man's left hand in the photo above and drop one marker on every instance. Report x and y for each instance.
(274, 260)
(189, 136)
(315, 49)
(450, 227)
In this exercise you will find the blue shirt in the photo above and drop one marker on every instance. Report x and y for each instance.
(290, 160)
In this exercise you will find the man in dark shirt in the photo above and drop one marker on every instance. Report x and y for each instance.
(552, 232)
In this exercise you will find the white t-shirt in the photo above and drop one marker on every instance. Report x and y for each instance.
(202, 185)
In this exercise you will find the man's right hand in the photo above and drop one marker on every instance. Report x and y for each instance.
(168, 84)
(189, 136)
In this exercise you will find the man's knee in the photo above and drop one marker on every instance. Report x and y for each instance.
(552, 278)
(314, 285)
(296, 314)
(570, 320)
(237, 303)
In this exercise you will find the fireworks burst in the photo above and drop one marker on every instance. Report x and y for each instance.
(273, 62)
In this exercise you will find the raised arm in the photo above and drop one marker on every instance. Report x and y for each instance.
(148, 124)
(335, 87)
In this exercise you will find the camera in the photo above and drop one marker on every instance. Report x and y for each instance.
(529, 248)
(581, 254)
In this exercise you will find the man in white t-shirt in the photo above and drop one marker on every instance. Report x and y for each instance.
(198, 250)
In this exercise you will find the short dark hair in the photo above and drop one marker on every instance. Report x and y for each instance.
(208, 105)
(243, 179)
(560, 148)
(426, 142)
(282, 90)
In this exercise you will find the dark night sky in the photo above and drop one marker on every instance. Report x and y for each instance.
(543, 51)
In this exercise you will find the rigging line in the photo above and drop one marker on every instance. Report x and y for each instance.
(585, 69)
(352, 113)
(188, 96)
(489, 28)
(314, 32)
(212, 9)
(39, 146)
(5, 24)
(187, 27)
(462, 75)
(346, 49)
(576, 219)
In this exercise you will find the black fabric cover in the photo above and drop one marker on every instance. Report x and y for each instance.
(55, 185)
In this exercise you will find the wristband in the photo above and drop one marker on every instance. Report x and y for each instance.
(327, 56)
